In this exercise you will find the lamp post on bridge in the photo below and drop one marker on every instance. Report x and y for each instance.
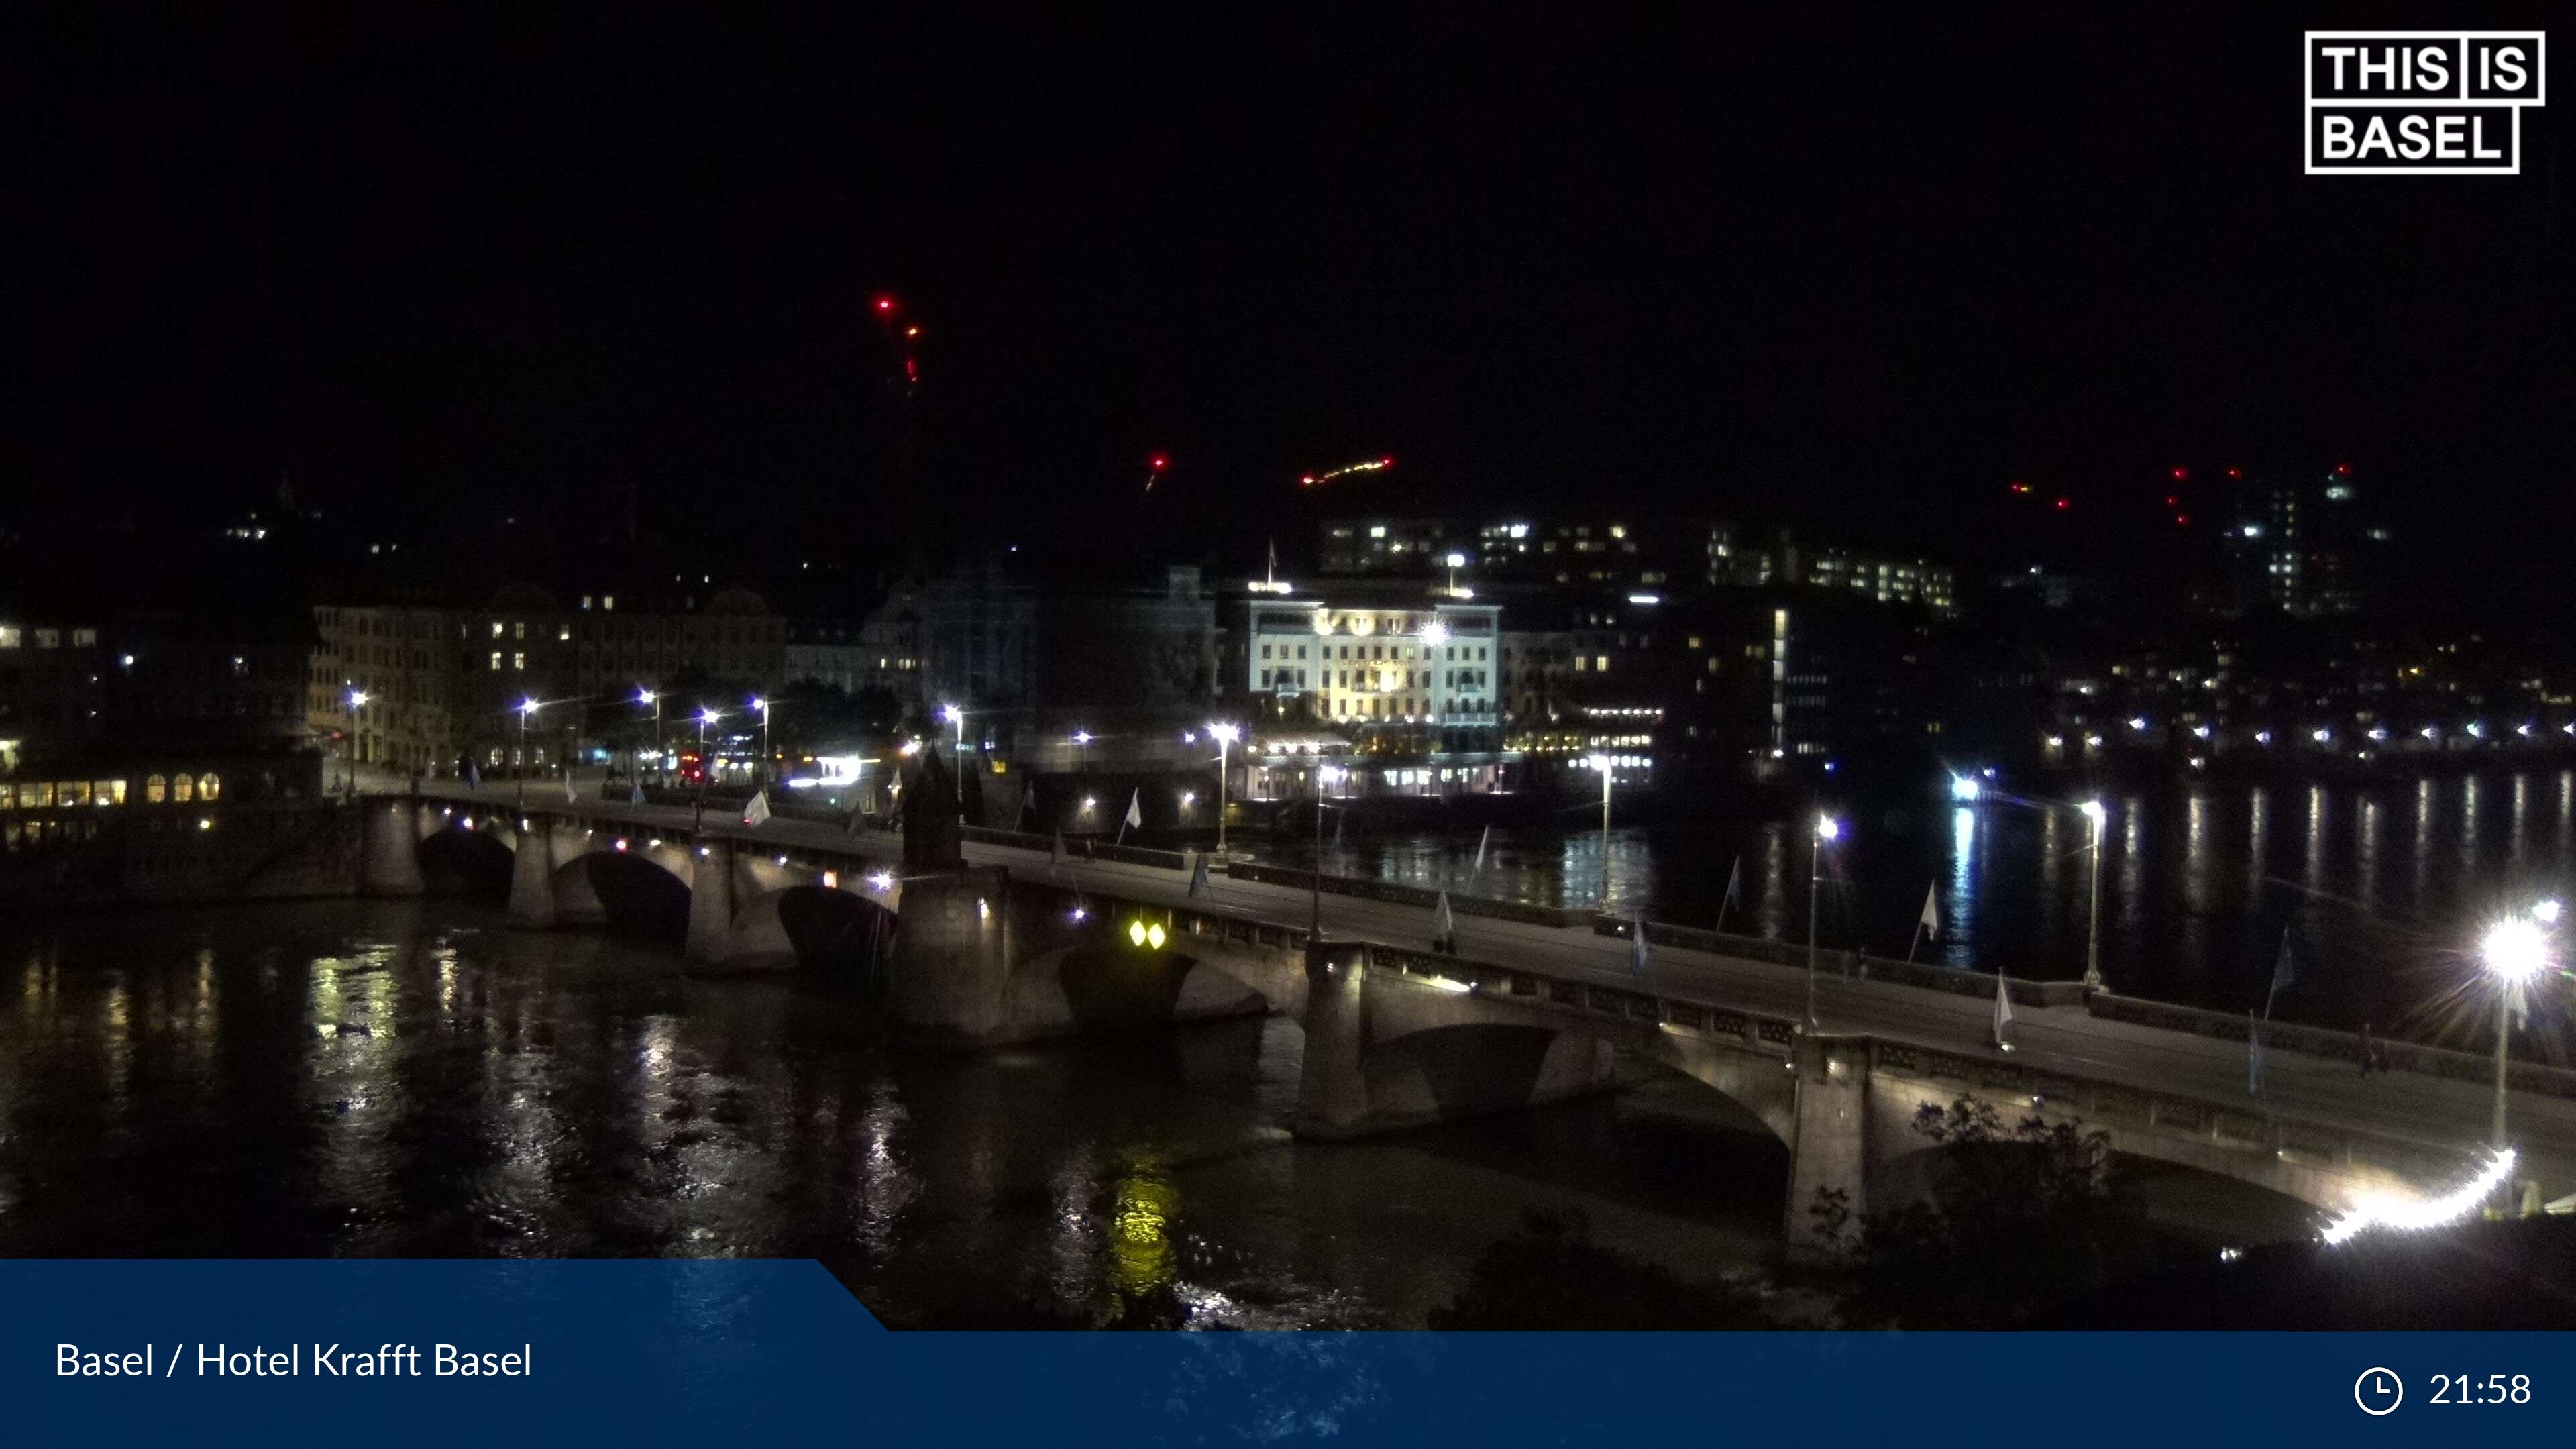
(1827, 828)
(2516, 953)
(1604, 764)
(349, 757)
(706, 717)
(1226, 734)
(2094, 813)
(647, 696)
(527, 711)
(1315, 876)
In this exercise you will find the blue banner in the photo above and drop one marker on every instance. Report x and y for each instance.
(778, 1353)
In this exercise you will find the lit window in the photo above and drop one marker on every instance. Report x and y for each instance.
(10, 637)
(84, 638)
(518, 661)
(496, 628)
(49, 638)
(155, 790)
(496, 659)
(209, 786)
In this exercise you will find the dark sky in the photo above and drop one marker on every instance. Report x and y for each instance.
(1856, 268)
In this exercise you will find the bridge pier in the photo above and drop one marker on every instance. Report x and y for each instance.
(532, 876)
(711, 899)
(952, 956)
(1830, 1148)
(1332, 1091)
(389, 848)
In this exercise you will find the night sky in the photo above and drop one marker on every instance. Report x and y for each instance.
(1851, 270)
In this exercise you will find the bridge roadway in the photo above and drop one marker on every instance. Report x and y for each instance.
(2435, 1112)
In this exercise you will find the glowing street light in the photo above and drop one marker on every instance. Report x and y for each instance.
(1827, 828)
(357, 701)
(527, 711)
(2095, 814)
(762, 704)
(2516, 952)
(646, 696)
(955, 716)
(1081, 749)
(1965, 789)
(1225, 734)
(1607, 767)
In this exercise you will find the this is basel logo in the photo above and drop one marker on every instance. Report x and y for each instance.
(2420, 102)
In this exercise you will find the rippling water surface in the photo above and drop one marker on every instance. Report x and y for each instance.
(412, 1079)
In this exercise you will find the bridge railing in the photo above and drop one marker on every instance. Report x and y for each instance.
(1078, 847)
(2394, 1055)
(1849, 964)
(1409, 895)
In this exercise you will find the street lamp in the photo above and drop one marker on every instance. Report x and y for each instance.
(763, 706)
(1455, 561)
(646, 696)
(953, 715)
(2516, 951)
(1225, 735)
(357, 700)
(527, 711)
(706, 717)
(2094, 813)
(1602, 763)
(1827, 828)
(1315, 878)
(1081, 751)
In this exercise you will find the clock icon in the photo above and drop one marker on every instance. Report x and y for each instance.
(2378, 1392)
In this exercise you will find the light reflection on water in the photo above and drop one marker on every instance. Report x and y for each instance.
(2200, 878)
(383, 1078)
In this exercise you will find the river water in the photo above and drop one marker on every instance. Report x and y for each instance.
(2381, 888)
(363, 1078)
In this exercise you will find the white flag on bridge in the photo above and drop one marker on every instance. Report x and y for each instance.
(758, 810)
(2003, 1012)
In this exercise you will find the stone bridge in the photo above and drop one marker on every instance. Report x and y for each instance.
(972, 957)
(1394, 1038)
(1398, 1038)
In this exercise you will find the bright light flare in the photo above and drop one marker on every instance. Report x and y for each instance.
(1828, 828)
(2379, 1210)
(1965, 789)
(2515, 950)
